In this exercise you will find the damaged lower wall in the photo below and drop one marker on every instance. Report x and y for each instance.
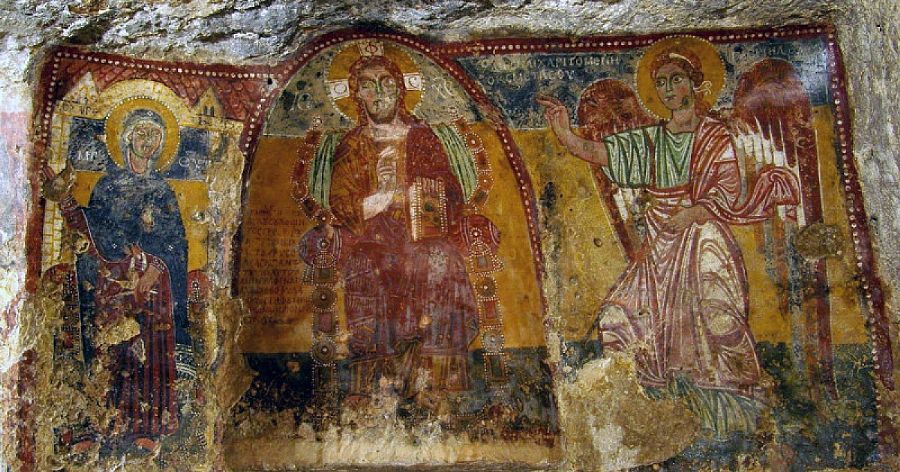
(606, 421)
(16, 364)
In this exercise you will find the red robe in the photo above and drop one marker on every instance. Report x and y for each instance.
(391, 281)
(682, 304)
(142, 385)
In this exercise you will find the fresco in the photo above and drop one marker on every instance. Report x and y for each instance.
(705, 240)
(402, 280)
(705, 235)
(125, 234)
(591, 253)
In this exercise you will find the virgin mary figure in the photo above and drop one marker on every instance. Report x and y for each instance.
(132, 271)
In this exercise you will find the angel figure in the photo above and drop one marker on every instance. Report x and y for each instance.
(681, 305)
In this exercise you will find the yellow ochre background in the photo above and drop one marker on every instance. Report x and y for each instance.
(590, 259)
(584, 257)
(291, 329)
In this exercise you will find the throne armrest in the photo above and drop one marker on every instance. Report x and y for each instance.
(316, 246)
(476, 234)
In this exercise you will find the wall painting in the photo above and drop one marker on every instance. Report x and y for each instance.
(130, 248)
(439, 241)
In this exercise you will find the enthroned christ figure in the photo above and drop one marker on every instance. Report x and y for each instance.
(410, 309)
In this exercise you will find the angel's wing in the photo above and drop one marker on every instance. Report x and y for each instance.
(607, 107)
(772, 126)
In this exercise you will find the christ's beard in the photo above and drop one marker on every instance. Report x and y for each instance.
(382, 117)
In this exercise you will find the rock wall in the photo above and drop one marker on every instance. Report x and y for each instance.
(265, 33)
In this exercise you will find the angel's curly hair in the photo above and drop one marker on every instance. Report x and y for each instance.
(685, 58)
(690, 62)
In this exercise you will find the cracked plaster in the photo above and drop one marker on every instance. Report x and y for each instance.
(253, 32)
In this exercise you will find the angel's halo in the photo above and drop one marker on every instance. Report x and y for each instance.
(710, 62)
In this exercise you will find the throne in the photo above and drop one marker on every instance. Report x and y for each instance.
(324, 248)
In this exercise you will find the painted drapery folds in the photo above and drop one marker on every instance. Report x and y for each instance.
(681, 306)
(125, 235)
(407, 283)
(123, 260)
(477, 251)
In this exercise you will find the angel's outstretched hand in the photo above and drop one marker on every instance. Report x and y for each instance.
(556, 114)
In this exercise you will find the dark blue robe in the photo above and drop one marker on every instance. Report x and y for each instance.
(114, 218)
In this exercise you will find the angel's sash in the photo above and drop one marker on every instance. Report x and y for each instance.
(773, 186)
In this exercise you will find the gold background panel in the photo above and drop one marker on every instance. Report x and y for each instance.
(583, 255)
(271, 272)
(585, 258)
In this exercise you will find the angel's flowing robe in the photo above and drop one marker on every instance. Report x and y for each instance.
(129, 210)
(681, 305)
(392, 282)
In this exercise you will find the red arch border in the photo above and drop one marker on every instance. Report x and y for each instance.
(433, 52)
(54, 83)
